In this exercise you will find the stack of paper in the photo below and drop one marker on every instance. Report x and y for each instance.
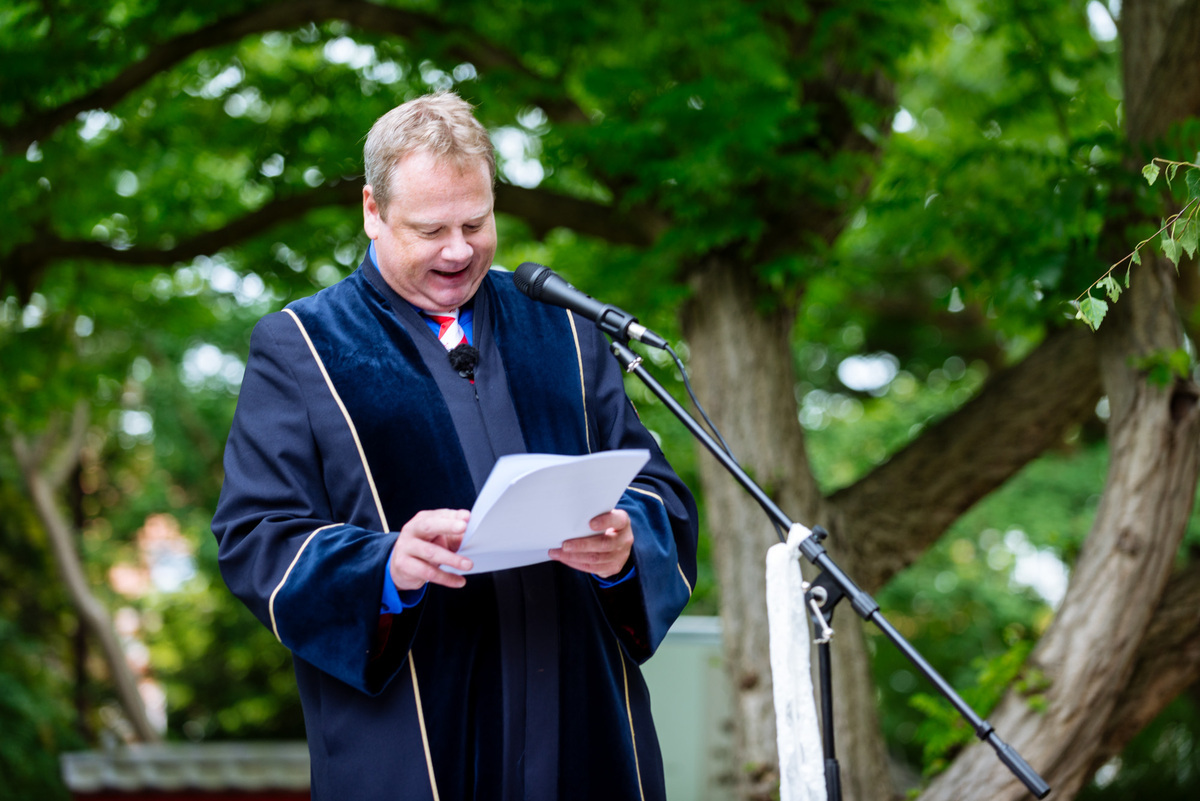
(532, 502)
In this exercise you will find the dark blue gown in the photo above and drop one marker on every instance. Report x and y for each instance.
(525, 683)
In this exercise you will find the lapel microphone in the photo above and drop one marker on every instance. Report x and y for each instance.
(463, 358)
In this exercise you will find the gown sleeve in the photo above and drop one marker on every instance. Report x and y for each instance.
(312, 579)
(662, 514)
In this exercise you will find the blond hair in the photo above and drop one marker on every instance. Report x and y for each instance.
(442, 124)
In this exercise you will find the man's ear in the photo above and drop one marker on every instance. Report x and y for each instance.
(372, 221)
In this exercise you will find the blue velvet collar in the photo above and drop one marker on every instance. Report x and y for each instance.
(365, 335)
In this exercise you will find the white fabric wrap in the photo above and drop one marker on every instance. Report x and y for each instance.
(798, 735)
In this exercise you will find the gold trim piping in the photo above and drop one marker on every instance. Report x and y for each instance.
(648, 492)
(686, 583)
(629, 715)
(346, 414)
(421, 722)
(682, 575)
(582, 385)
(288, 572)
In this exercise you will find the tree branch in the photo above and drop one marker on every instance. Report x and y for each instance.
(280, 16)
(24, 265)
(92, 613)
(59, 469)
(541, 209)
(902, 507)
(544, 211)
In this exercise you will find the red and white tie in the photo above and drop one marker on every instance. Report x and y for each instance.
(449, 332)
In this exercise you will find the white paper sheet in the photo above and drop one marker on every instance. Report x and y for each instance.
(532, 502)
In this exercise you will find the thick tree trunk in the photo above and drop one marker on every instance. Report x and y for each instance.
(1162, 82)
(1090, 651)
(742, 364)
(1168, 664)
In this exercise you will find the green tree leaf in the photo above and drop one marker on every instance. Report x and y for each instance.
(1193, 183)
(1092, 311)
(1162, 367)
(1171, 249)
(1150, 173)
(1189, 236)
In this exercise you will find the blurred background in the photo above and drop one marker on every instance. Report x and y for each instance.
(868, 226)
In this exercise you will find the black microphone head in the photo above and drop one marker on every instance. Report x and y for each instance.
(463, 358)
(530, 277)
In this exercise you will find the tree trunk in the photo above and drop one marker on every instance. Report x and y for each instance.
(1168, 664)
(1090, 651)
(742, 363)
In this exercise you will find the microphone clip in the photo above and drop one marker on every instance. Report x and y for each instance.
(623, 326)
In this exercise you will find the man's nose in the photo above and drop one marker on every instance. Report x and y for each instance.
(457, 248)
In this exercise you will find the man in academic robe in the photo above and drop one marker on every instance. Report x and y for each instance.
(356, 451)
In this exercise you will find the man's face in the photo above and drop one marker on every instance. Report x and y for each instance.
(440, 234)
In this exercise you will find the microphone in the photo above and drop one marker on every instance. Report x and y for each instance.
(463, 359)
(545, 285)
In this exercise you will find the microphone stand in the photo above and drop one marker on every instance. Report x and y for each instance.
(829, 588)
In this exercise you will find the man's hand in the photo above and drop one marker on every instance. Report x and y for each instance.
(603, 554)
(426, 542)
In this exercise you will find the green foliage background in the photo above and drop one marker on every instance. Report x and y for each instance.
(979, 228)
